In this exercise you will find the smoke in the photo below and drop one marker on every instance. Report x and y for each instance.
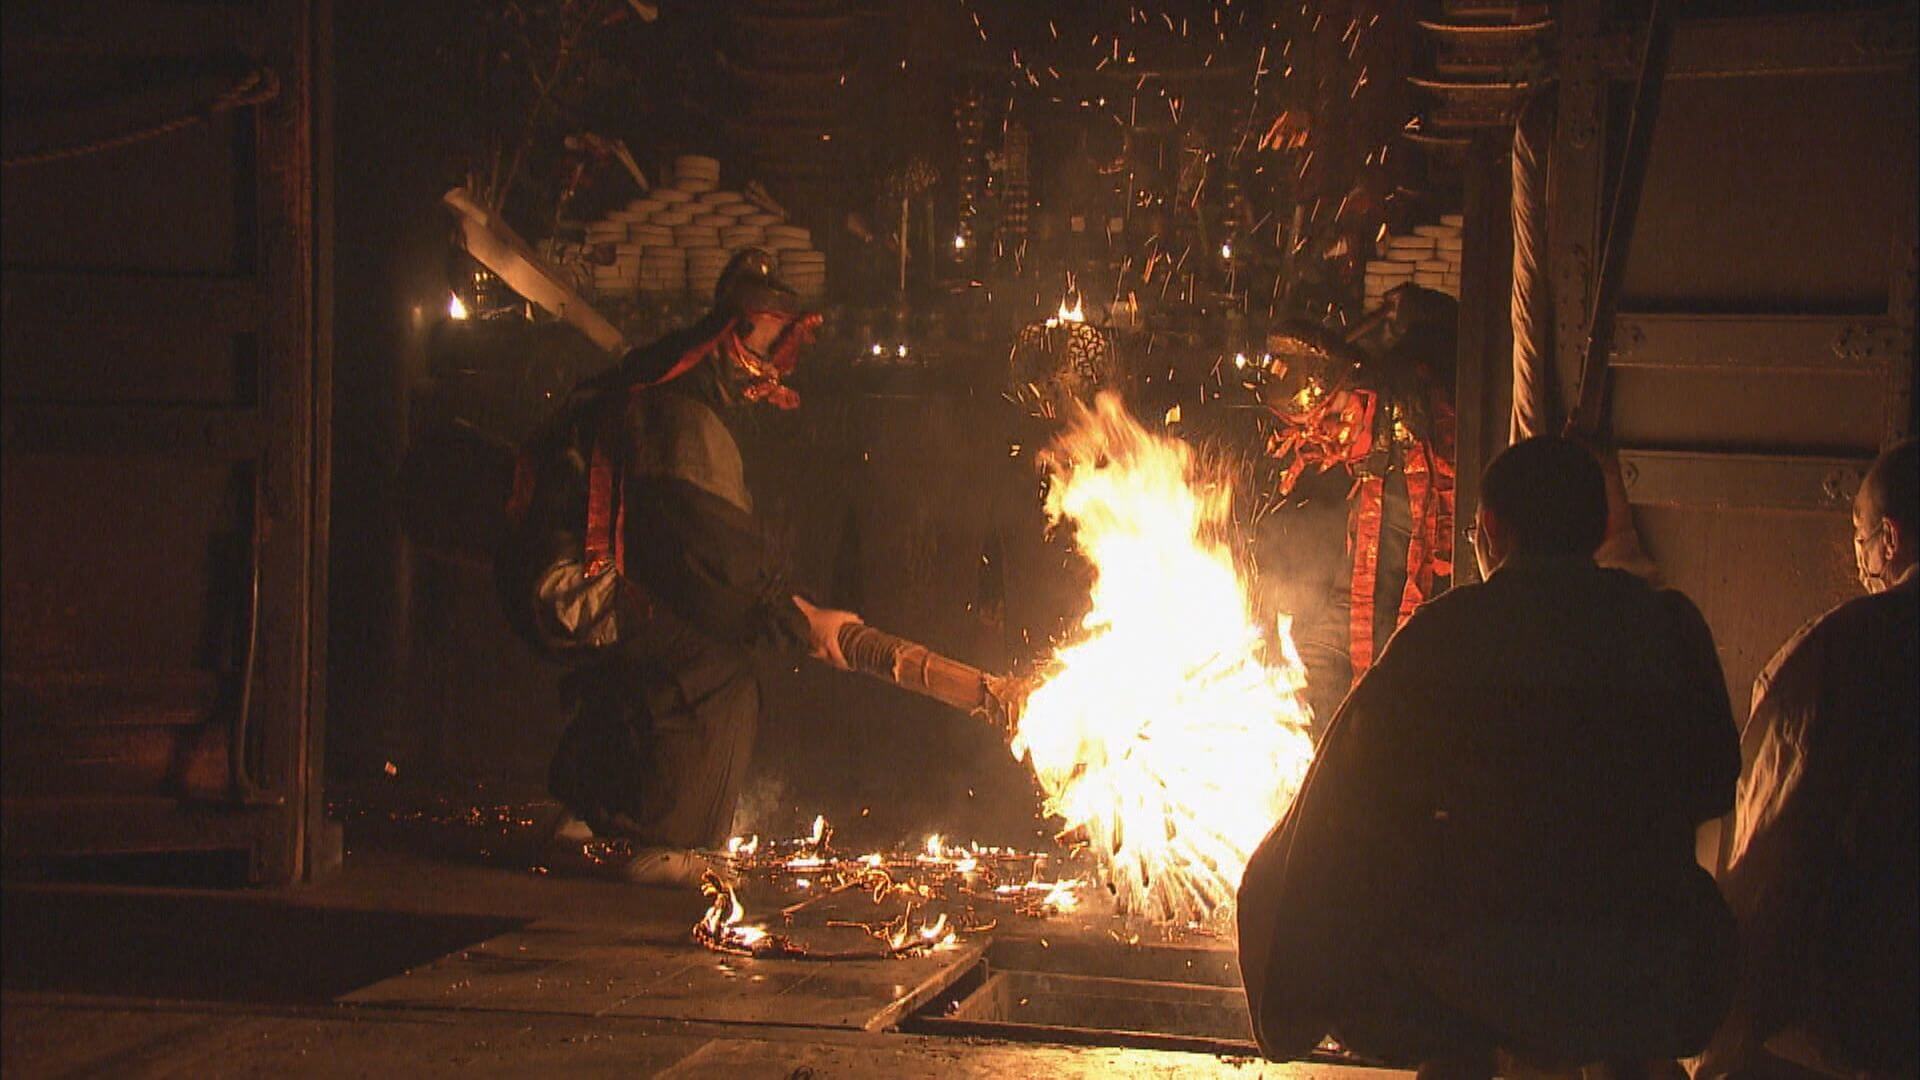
(765, 808)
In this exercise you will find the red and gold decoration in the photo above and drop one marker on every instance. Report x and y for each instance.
(1328, 417)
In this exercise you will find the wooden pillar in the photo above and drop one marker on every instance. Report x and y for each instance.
(1483, 377)
(1576, 184)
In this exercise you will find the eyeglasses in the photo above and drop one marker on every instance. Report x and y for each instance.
(1861, 539)
(1473, 533)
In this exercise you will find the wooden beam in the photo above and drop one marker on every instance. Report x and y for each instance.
(235, 434)
(135, 299)
(1716, 481)
(497, 247)
(132, 28)
(1776, 344)
(94, 698)
(38, 827)
(1793, 45)
(1898, 340)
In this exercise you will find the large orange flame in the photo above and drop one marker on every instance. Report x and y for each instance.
(1162, 729)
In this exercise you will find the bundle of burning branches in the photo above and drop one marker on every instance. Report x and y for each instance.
(1164, 732)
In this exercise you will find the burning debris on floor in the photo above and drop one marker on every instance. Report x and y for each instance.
(909, 902)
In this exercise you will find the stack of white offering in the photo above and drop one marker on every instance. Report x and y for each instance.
(694, 173)
(679, 237)
(1429, 257)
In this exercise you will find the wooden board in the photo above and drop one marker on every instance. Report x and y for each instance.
(548, 969)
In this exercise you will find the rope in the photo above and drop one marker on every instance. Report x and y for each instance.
(257, 87)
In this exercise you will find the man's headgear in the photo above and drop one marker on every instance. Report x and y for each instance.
(766, 327)
(751, 275)
(756, 325)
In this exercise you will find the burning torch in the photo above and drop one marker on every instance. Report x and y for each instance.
(912, 666)
(997, 699)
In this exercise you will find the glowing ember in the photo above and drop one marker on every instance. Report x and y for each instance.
(1045, 896)
(1061, 895)
(1161, 731)
(960, 859)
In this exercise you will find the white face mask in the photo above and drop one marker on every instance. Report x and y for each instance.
(1870, 556)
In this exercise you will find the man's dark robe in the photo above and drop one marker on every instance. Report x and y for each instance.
(1823, 871)
(665, 719)
(1495, 845)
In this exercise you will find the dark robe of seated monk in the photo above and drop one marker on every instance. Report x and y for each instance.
(1494, 849)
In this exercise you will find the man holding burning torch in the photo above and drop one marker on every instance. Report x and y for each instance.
(636, 555)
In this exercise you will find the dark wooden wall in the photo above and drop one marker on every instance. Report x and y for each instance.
(1764, 343)
(165, 382)
(1764, 347)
